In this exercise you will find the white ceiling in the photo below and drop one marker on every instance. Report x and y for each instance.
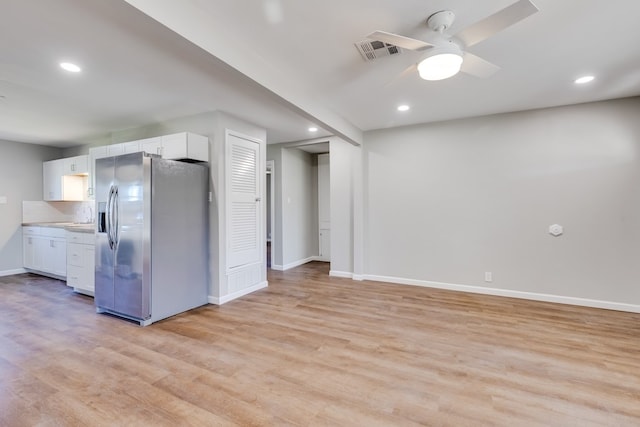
(288, 64)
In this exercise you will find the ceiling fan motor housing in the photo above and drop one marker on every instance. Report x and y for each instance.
(441, 21)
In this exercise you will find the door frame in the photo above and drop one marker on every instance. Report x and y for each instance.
(270, 170)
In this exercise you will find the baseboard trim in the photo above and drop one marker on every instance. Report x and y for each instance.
(343, 274)
(293, 264)
(226, 298)
(12, 272)
(608, 305)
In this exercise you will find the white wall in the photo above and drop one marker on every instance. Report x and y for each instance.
(344, 159)
(20, 179)
(447, 202)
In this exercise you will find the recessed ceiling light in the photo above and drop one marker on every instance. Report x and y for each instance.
(403, 107)
(584, 79)
(313, 129)
(68, 66)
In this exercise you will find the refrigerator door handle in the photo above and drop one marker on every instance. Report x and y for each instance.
(116, 227)
(109, 218)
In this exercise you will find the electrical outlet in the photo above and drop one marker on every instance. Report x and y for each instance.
(488, 276)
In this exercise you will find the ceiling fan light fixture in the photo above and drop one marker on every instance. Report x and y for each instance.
(440, 65)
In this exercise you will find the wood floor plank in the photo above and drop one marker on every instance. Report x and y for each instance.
(313, 350)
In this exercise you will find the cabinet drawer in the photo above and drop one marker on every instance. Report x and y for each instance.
(89, 238)
(81, 238)
(75, 255)
(52, 232)
(30, 231)
(74, 276)
(74, 237)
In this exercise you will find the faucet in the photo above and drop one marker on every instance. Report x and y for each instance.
(88, 219)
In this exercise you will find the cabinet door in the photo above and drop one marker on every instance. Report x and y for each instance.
(74, 276)
(94, 153)
(75, 255)
(82, 164)
(75, 165)
(59, 251)
(28, 252)
(41, 252)
(54, 251)
(52, 173)
(152, 145)
(115, 149)
(88, 282)
(185, 145)
(131, 147)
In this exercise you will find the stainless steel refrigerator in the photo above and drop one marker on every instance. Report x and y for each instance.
(151, 236)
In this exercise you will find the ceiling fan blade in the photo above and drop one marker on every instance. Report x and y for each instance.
(478, 67)
(497, 22)
(400, 41)
(411, 69)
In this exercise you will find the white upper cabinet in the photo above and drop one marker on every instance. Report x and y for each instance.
(52, 173)
(185, 145)
(95, 153)
(130, 147)
(178, 146)
(76, 165)
(152, 145)
(115, 150)
(59, 186)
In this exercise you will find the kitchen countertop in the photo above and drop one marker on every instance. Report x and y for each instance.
(69, 226)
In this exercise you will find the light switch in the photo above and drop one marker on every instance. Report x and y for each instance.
(3, 200)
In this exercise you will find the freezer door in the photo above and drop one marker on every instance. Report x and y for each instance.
(132, 286)
(105, 181)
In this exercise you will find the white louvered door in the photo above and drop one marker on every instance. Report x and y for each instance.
(243, 209)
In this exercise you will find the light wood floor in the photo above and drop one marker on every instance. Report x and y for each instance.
(314, 350)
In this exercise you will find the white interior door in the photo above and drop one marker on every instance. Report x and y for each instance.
(243, 207)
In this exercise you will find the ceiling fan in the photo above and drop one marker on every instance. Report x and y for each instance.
(446, 55)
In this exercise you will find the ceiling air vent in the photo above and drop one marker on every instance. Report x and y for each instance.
(373, 49)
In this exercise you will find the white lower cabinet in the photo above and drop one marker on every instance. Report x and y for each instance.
(29, 244)
(81, 262)
(45, 251)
